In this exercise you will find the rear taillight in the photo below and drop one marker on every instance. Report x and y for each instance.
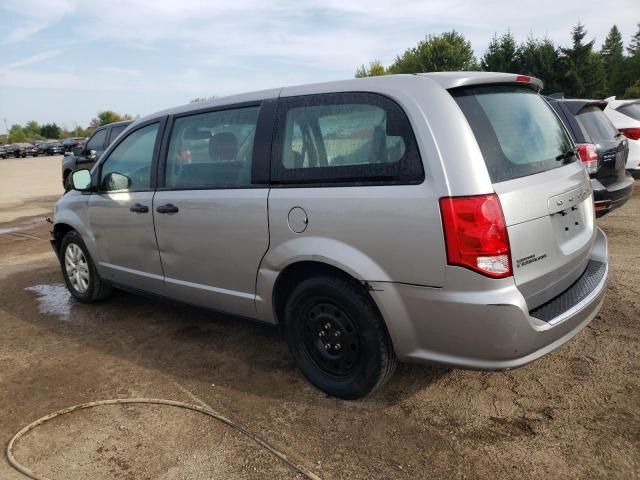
(631, 133)
(588, 153)
(523, 78)
(476, 234)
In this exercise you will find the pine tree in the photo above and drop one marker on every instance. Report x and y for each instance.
(583, 69)
(501, 55)
(612, 53)
(541, 59)
(634, 46)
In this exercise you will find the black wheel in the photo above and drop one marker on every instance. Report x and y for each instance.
(338, 337)
(66, 181)
(79, 272)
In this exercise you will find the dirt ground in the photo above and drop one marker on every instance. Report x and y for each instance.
(574, 414)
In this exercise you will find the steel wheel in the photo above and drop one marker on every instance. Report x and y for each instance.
(331, 338)
(77, 268)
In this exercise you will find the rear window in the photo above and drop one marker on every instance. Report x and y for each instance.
(631, 110)
(596, 125)
(518, 132)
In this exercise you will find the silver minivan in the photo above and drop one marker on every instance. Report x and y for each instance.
(433, 218)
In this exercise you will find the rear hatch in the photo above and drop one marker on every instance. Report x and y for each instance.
(612, 146)
(545, 193)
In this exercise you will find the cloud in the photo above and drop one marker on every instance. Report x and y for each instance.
(39, 57)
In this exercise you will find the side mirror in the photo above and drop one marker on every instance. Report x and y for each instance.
(115, 181)
(81, 180)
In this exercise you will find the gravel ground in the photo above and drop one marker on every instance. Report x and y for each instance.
(573, 414)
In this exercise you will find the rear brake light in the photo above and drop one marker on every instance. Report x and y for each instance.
(523, 78)
(632, 133)
(588, 153)
(476, 234)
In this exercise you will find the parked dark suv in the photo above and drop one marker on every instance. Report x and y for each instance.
(602, 149)
(86, 155)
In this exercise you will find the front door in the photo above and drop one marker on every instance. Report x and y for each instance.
(211, 214)
(121, 215)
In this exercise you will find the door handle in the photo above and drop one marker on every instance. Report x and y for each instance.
(168, 208)
(138, 208)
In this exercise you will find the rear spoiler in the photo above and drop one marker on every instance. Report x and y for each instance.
(449, 80)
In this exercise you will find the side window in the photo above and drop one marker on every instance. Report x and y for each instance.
(115, 131)
(212, 150)
(96, 142)
(128, 166)
(346, 138)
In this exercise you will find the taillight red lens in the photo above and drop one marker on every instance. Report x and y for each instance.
(588, 153)
(476, 234)
(632, 133)
(523, 78)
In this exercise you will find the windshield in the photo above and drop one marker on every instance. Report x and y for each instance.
(631, 110)
(517, 131)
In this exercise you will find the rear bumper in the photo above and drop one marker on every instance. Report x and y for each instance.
(488, 325)
(608, 198)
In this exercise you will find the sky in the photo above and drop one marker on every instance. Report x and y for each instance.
(65, 60)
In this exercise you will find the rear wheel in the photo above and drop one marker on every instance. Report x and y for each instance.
(338, 337)
(79, 271)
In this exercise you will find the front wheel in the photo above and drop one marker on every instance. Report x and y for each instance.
(338, 337)
(79, 271)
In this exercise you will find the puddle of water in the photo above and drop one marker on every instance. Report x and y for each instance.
(8, 230)
(53, 300)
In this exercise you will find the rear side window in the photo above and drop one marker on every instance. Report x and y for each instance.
(517, 131)
(115, 131)
(97, 141)
(596, 125)
(631, 110)
(344, 138)
(212, 150)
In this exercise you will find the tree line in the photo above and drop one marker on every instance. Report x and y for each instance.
(32, 130)
(578, 70)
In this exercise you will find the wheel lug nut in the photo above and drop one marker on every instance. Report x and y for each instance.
(336, 333)
(327, 326)
(327, 346)
(321, 333)
(337, 346)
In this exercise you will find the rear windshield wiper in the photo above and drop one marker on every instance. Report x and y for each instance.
(566, 155)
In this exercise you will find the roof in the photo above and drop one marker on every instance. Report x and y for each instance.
(446, 80)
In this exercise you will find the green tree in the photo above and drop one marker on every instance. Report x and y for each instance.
(612, 53)
(201, 99)
(17, 134)
(540, 58)
(501, 55)
(50, 130)
(108, 116)
(634, 46)
(633, 91)
(375, 69)
(32, 130)
(446, 52)
(583, 69)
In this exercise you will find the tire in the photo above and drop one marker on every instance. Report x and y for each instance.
(337, 337)
(74, 252)
(66, 181)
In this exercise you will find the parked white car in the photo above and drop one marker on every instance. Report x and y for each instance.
(625, 115)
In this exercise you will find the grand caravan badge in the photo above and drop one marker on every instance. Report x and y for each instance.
(524, 261)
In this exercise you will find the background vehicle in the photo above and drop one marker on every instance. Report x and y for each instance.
(311, 206)
(3, 151)
(625, 116)
(53, 147)
(602, 149)
(23, 150)
(86, 154)
(71, 142)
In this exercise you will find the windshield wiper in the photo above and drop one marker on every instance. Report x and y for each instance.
(566, 155)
